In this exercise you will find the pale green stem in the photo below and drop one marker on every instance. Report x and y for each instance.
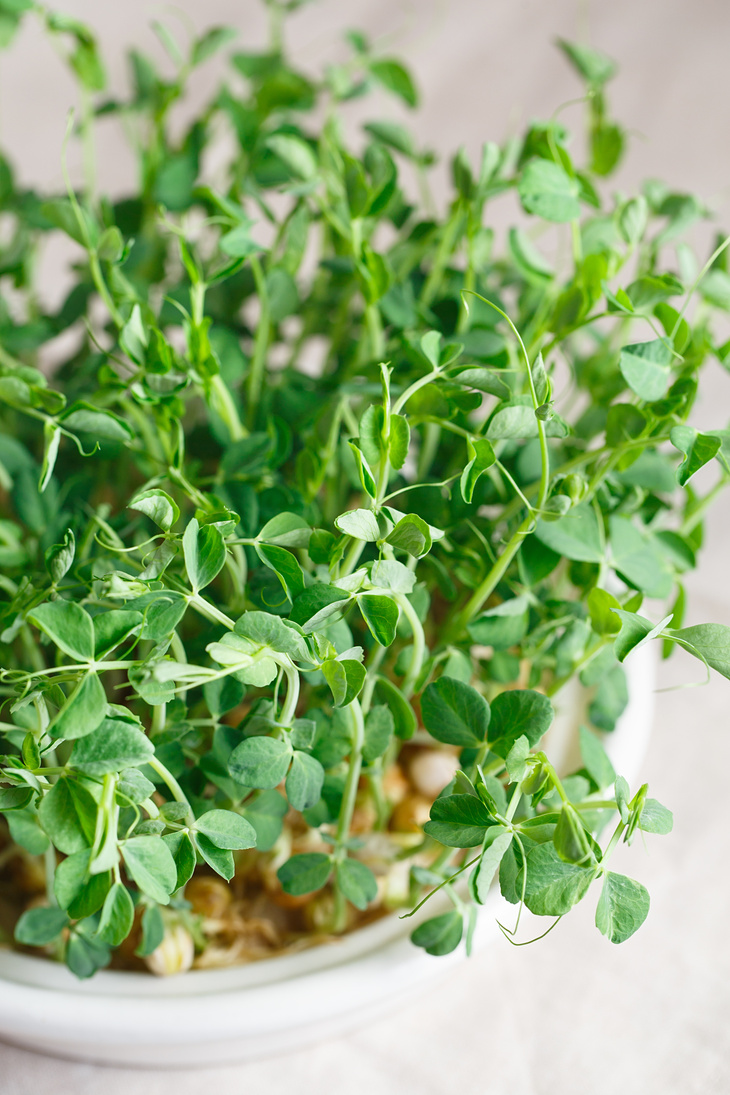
(174, 787)
(348, 804)
(205, 608)
(289, 707)
(255, 380)
(418, 648)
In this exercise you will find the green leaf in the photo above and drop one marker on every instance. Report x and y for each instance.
(117, 915)
(484, 380)
(266, 812)
(399, 440)
(83, 711)
(153, 931)
(183, 852)
(529, 260)
(285, 566)
(15, 798)
(595, 67)
(411, 534)
(260, 762)
(112, 627)
(52, 441)
(635, 632)
(360, 523)
(357, 882)
(295, 153)
(393, 76)
(86, 418)
(78, 893)
(607, 147)
(226, 829)
(379, 727)
(483, 874)
(68, 812)
(113, 746)
(59, 557)
(458, 821)
(389, 574)
(85, 954)
(233, 652)
(158, 506)
(547, 190)
(698, 449)
(26, 831)
(305, 873)
(304, 781)
(286, 530)
(133, 337)
(576, 535)
(622, 907)
(645, 368)
(68, 625)
(637, 558)
(393, 135)
(381, 614)
(345, 679)
(367, 479)
(595, 759)
(610, 700)
(600, 608)
(238, 242)
(455, 713)
(149, 863)
(205, 554)
(223, 695)
(162, 613)
(219, 859)
(40, 926)
(655, 818)
(318, 604)
(502, 626)
(553, 886)
(518, 420)
(214, 39)
(272, 631)
(370, 435)
(516, 713)
(481, 458)
(708, 642)
(404, 717)
(441, 934)
(515, 761)
(571, 839)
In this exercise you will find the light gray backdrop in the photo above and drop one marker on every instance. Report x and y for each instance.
(572, 1014)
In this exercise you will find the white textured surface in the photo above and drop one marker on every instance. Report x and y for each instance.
(572, 1014)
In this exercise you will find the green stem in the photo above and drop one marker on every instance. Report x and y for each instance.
(489, 584)
(347, 808)
(255, 380)
(374, 327)
(205, 608)
(452, 230)
(289, 707)
(418, 648)
(222, 403)
(174, 787)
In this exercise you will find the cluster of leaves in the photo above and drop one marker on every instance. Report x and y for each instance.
(211, 609)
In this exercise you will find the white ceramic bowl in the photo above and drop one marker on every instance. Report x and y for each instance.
(212, 1016)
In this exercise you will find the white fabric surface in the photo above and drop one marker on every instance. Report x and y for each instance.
(572, 1014)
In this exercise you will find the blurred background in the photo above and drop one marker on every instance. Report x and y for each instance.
(572, 1013)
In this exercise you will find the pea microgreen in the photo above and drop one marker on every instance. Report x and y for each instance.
(325, 482)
